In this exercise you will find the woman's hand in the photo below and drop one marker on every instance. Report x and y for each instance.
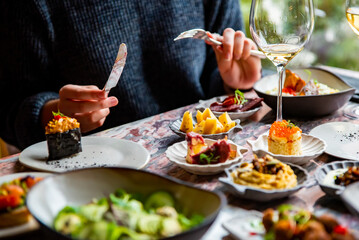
(88, 104)
(237, 67)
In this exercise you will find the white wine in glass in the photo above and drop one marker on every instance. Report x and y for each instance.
(352, 14)
(281, 28)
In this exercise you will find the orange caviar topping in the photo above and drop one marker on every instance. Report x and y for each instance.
(283, 129)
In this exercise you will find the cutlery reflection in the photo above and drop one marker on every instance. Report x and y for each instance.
(204, 35)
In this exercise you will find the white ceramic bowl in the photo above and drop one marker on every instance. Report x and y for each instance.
(178, 151)
(312, 147)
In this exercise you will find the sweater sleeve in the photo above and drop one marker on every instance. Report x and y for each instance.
(25, 80)
(219, 15)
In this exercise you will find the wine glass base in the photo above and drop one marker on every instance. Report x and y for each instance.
(351, 111)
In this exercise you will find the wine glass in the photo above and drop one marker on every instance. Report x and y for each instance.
(352, 14)
(281, 28)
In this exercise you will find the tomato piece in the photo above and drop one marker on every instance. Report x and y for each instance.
(30, 181)
(229, 101)
(340, 230)
(289, 91)
(11, 200)
(14, 189)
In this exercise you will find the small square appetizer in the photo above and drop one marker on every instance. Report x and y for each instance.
(198, 152)
(285, 138)
(265, 173)
(63, 136)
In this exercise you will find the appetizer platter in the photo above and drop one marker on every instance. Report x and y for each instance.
(14, 216)
(205, 156)
(342, 139)
(286, 142)
(287, 222)
(206, 124)
(265, 179)
(237, 106)
(307, 105)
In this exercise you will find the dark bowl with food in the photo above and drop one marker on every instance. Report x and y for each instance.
(307, 106)
(78, 188)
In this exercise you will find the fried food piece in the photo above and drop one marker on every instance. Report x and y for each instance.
(284, 229)
(293, 81)
(328, 222)
(267, 219)
(315, 231)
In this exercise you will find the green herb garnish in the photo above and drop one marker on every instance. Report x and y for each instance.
(290, 124)
(58, 113)
(203, 158)
(239, 97)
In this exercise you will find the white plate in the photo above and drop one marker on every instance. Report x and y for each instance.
(30, 225)
(96, 152)
(342, 139)
(203, 104)
(312, 147)
(242, 226)
(178, 151)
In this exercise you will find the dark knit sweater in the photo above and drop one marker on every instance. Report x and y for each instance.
(46, 44)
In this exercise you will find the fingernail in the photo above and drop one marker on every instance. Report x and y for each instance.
(113, 101)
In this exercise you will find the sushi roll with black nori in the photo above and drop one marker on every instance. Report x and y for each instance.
(63, 136)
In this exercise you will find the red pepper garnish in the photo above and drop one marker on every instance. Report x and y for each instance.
(252, 233)
(340, 230)
(58, 115)
(289, 91)
(229, 101)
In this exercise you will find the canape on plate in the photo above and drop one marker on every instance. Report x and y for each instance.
(285, 138)
(63, 136)
(198, 152)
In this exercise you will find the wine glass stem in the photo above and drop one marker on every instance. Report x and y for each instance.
(280, 70)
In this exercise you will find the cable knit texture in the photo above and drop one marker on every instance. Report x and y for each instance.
(47, 44)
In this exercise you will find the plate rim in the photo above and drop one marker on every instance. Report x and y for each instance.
(327, 149)
(31, 224)
(23, 162)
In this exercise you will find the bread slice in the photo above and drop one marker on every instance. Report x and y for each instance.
(15, 217)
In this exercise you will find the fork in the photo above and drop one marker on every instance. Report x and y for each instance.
(198, 33)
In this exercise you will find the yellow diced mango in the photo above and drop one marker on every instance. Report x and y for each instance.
(199, 116)
(210, 126)
(187, 122)
(199, 127)
(207, 113)
(226, 121)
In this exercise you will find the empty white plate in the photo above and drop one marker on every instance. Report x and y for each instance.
(96, 152)
(342, 139)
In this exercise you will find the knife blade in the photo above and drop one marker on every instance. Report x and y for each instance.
(117, 68)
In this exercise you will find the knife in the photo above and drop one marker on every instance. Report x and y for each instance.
(117, 68)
